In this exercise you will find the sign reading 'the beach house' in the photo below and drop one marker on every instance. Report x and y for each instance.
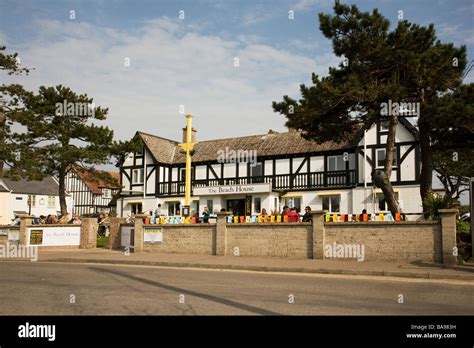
(231, 189)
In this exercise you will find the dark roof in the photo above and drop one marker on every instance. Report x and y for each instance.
(3, 188)
(48, 186)
(271, 144)
(113, 201)
(95, 183)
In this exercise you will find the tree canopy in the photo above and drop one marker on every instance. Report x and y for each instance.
(404, 65)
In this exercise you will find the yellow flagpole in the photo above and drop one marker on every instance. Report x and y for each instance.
(188, 147)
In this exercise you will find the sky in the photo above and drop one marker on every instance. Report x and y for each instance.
(191, 61)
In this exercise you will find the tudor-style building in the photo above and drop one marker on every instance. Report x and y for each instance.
(91, 193)
(289, 171)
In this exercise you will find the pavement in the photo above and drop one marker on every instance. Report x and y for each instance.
(59, 288)
(424, 270)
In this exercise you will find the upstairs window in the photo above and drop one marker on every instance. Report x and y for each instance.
(336, 163)
(182, 173)
(257, 170)
(384, 126)
(107, 193)
(139, 151)
(380, 158)
(137, 176)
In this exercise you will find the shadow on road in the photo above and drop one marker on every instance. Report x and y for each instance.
(220, 300)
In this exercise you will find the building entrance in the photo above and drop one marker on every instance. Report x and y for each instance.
(236, 206)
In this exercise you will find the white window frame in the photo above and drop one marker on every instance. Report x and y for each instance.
(107, 193)
(395, 164)
(290, 202)
(336, 158)
(330, 210)
(137, 178)
(51, 201)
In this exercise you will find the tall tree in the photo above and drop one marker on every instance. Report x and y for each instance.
(9, 64)
(452, 140)
(60, 133)
(405, 65)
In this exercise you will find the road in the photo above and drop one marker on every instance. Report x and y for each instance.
(34, 288)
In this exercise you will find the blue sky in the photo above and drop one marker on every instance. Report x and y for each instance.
(190, 61)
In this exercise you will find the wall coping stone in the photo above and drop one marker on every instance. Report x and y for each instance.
(380, 223)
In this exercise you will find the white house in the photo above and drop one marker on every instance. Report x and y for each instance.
(43, 196)
(287, 170)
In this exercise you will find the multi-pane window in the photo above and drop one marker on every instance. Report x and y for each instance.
(137, 176)
(183, 174)
(32, 200)
(294, 202)
(51, 201)
(107, 193)
(209, 205)
(380, 158)
(332, 203)
(174, 208)
(136, 208)
(336, 163)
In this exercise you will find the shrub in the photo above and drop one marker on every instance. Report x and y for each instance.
(435, 202)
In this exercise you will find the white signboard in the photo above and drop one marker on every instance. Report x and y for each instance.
(126, 235)
(231, 189)
(152, 235)
(54, 236)
(13, 235)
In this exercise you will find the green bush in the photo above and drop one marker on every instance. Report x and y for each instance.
(463, 240)
(435, 202)
(463, 227)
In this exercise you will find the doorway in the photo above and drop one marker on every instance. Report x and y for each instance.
(236, 206)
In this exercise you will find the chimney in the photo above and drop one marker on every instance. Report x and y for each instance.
(193, 135)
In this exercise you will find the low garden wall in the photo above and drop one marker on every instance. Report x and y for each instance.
(433, 241)
(50, 236)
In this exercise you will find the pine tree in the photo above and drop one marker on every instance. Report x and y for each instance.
(10, 64)
(61, 132)
(406, 64)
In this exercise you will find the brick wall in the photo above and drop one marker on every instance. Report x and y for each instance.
(389, 241)
(187, 239)
(269, 240)
(382, 240)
